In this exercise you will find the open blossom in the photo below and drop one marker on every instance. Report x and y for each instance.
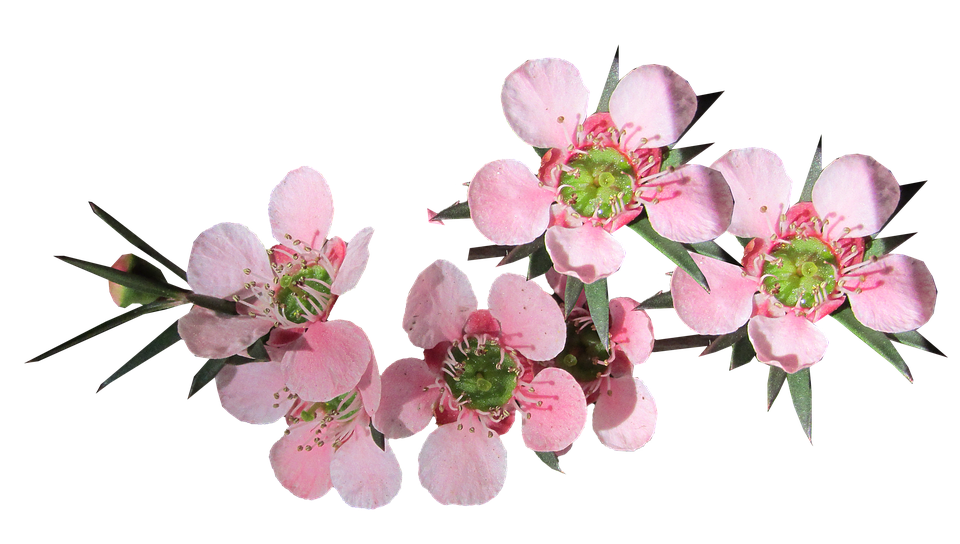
(805, 260)
(476, 375)
(601, 170)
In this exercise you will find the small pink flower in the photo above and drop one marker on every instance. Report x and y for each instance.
(477, 373)
(601, 170)
(804, 261)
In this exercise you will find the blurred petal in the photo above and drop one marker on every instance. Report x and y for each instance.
(544, 100)
(354, 263)
(508, 204)
(625, 416)
(458, 466)
(855, 192)
(631, 331)
(654, 105)
(301, 206)
(555, 411)
(789, 342)
(329, 362)
(897, 294)
(408, 400)
(219, 257)
(587, 253)
(761, 190)
(695, 204)
(725, 308)
(438, 305)
(530, 320)
(364, 475)
(249, 392)
(217, 336)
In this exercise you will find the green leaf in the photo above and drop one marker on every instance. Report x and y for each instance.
(613, 77)
(570, 294)
(167, 338)
(742, 353)
(680, 156)
(523, 251)
(660, 301)
(704, 101)
(799, 383)
(126, 279)
(875, 339)
(109, 324)
(223, 306)
(550, 459)
(744, 241)
(539, 263)
(713, 250)
(672, 250)
(137, 242)
(378, 437)
(258, 352)
(682, 342)
(599, 309)
(206, 373)
(816, 167)
(488, 252)
(881, 246)
(775, 379)
(907, 192)
(541, 151)
(457, 210)
(724, 341)
(915, 340)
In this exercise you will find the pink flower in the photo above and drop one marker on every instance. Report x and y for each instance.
(477, 373)
(804, 261)
(601, 170)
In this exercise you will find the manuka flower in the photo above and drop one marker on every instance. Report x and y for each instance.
(804, 261)
(600, 170)
(477, 373)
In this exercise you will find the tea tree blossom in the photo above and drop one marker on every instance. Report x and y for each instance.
(805, 260)
(476, 377)
(600, 171)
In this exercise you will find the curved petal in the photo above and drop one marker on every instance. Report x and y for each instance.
(370, 387)
(220, 257)
(653, 105)
(217, 336)
(438, 305)
(544, 100)
(789, 342)
(760, 187)
(894, 294)
(408, 400)
(301, 207)
(530, 320)
(301, 467)
(460, 466)
(354, 263)
(693, 204)
(587, 253)
(508, 204)
(329, 362)
(625, 416)
(631, 331)
(254, 392)
(554, 410)
(855, 192)
(481, 322)
(725, 308)
(364, 475)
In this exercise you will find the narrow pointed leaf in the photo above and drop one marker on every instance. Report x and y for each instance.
(539, 263)
(704, 101)
(488, 252)
(550, 459)
(680, 156)
(659, 301)
(882, 246)
(799, 383)
(875, 339)
(744, 241)
(742, 353)
(613, 77)
(672, 250)
(724, 341)
(137, 242)
(523, 251)
(570, 294)
(596, 293)
(223, 306)
(541, 151)
(167, 338)
(775, 379)
(915, 340)
(378, 437)
(457, 210)
(907, 192)
(126, 279)
(207, 372)
(816, 167)
(682, 342)
(713, 250)
(258, 352)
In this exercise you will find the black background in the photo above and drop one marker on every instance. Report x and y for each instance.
(171, 143)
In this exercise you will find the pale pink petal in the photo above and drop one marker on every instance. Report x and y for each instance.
(438, 305)
(220, 257)
(329, 362)
(530, 320)
(789, 342)
(625, 415)
(354, 263)
(725, 308)
(631, 331)
(555, 410)
(587, 253)
(301, 466)
(544, 100)
(466, 465)
(654, 105)
(508, 204)
(897, 294)
(364, 475)
(217, 336)
(855, 192)
(695, 204)
(408, 399)
(253, 393)
(761, 190)
(370, 387)
(301, 206)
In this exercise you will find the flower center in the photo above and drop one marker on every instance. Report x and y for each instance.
(481, 375)
(801, 272)
(583, 356)
(304, 293)
(597, 182)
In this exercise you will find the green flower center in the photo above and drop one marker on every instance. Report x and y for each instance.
(583, 355)
(483, 375)
(801, 272)
(601, 183)
(309, 287)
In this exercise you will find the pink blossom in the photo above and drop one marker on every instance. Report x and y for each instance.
(805, 260)
(476, 377)
(600, 171)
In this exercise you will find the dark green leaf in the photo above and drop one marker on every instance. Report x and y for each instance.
(613, 77)
(167, 338)
(724, 341)
(539, 263)
(258, 352)
(907, 192)
(802, 396)
(458, 210)
(488, 252)
(816, 166)
(206, 373)
(659, 301)
(742, 353)
(875, 339)
(228, 307)
(713, 250)
(126, 279)
(378, 437)
(550, 459)
(915, 340)
(672, 250)
(775, 379)
(882, 246)
(541, 151)
(704, 101)
(744, 241)
(570, 294)
(599, 304)
(137, 241)
(682, 342)
(522, 251)
(680, 156)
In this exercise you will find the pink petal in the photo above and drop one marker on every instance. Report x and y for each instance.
(218, 336)
(301, 206)
(354, 263)
(695, 204)
(304, 472)
(855, 192)
(725, 308)
(458, 466)
(625, 415)
(898, 294)
(508, 204)
(219, 257)
(654, 105)
(761, 190)
(438, 305)
(329, 362)
(370, 387)
(363, 474)
(554, 412)
(789, 342)
(481, 322)
(249, 392)
(530, 321)
(631, 331)
(544, 100)
(408, 400)
(587, 253)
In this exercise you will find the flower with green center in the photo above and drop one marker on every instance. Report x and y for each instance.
(483, 376)
(801, 272)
